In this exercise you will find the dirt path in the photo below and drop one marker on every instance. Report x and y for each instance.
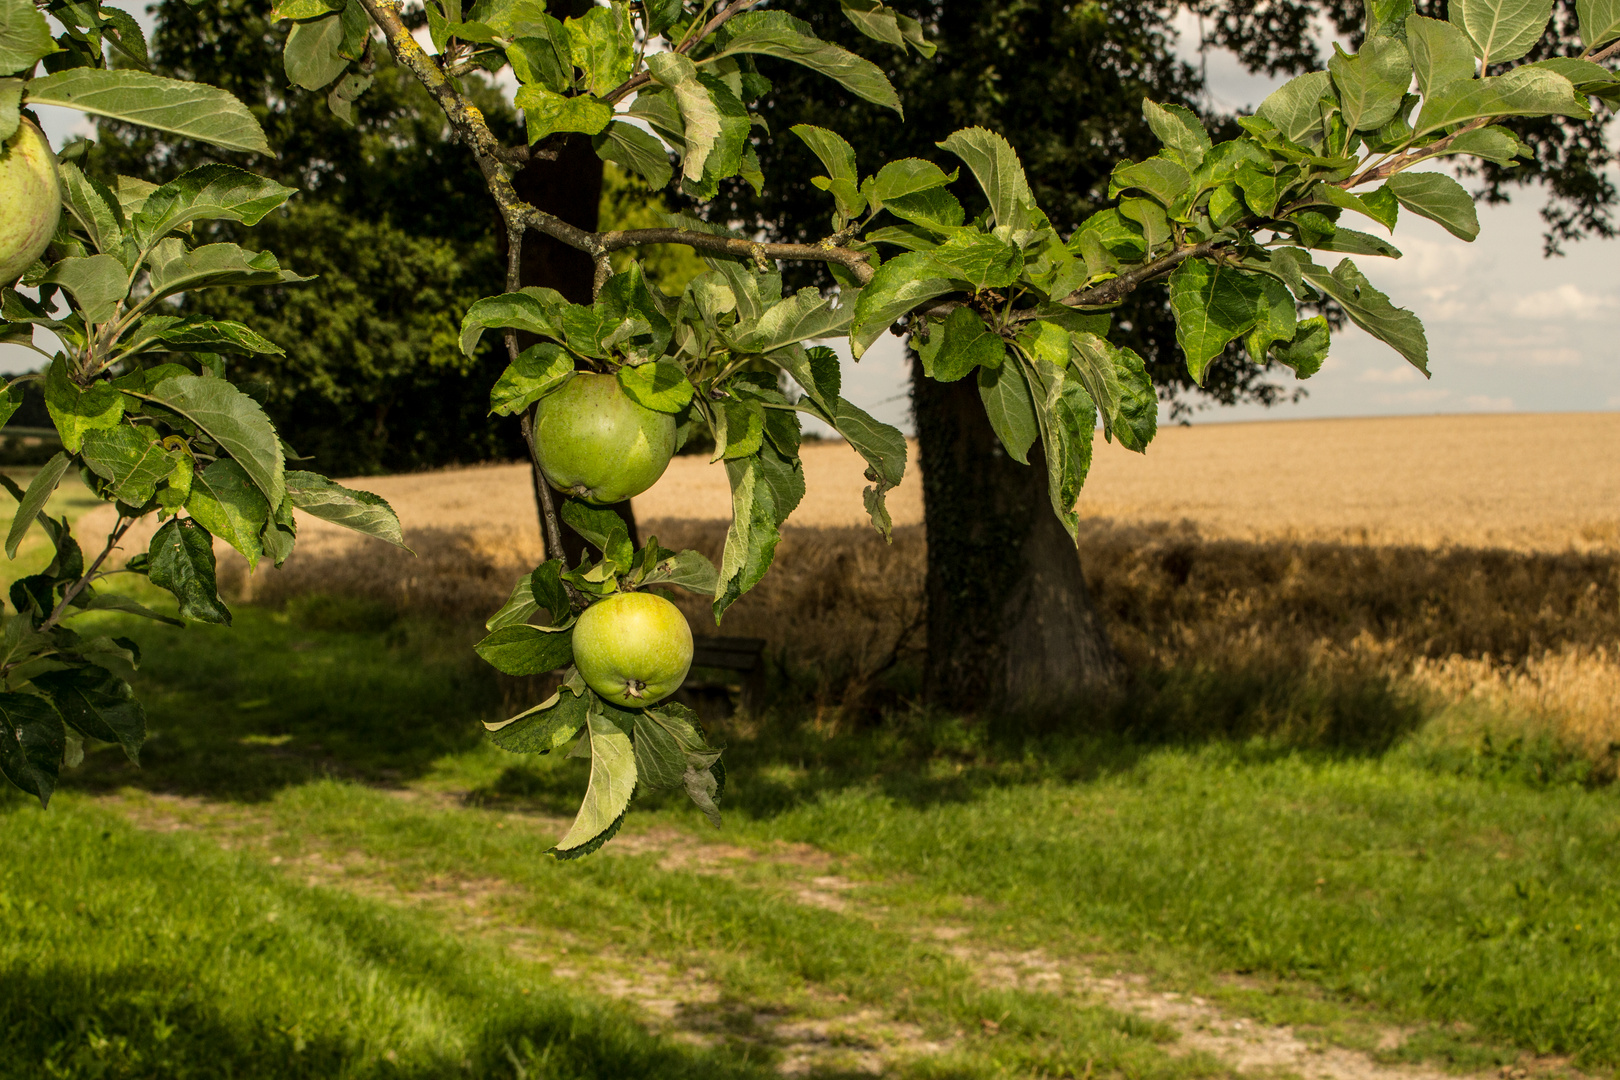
(830, 1034)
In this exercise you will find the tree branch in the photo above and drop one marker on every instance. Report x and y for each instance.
(855, 261)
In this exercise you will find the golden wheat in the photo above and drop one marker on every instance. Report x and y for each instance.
(1476, 559)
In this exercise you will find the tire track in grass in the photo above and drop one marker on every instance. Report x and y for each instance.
(829, 1034)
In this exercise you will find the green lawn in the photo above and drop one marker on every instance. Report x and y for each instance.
(323, 870)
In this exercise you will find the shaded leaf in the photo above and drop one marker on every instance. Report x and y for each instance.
(661, 386)
(774, 33)
(130, 459)
(521, 649)
(901, 284)
(1011, 408)
(29, 507)
(182, 561)
(533, 310)
(548, 726)
(99, 705)
(1213, 304)
(537, 371)
(207, 193)
(1439, 198)
(635, 151)
(32, 740)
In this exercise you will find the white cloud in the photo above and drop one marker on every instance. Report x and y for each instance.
(1614, 402)
(1555, 357)
(1567, 301)
(1484, 403)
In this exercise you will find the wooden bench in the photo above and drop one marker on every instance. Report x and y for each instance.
(746, 656)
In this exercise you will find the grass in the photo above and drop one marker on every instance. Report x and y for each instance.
(323, 870)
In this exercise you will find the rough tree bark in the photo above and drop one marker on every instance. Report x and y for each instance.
(1011, 625)
(571, 188)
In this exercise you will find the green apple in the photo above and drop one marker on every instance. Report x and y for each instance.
(633, 648)
(30, 200)
(594, 443)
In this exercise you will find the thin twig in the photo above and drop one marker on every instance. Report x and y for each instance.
(72, 592)
(640, 79)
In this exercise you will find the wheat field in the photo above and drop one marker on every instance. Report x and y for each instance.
(1471, 559)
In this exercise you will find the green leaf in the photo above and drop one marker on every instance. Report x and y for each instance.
(884, 449)
(1179, 129)
(607, 793)
(804, 316)
(358, 510)
(774, 33)
(1295, 107)
(537, 371)
(234, 421)
(992, 161)
(130, 459)
(1501, 30)
(32, 740)
(885, 24)
(958, 345)
(838, 158)
(1276, 317)
(908, 176)
(661, 386)
(10, 401)
(979, 260)
(304, 9)
(1439, 198)
(189, 109)
(901, 284)
(181, 560)
(1160, 177)
(1491, 143)
(311, 57)
(1137, 419)
(1600, 22)
(522, 649)
(200, 333)
(1308, 349)
(114, 602)
(635, 150)
(699, 113)
(97, 282)
(1371, 84)
(1213, 304)
(739, 428)
(548, 726)
(532, 310)
(1366, 306)
(225, 502)
(548, 112)
(691, 570)
(94, 206)
(1441, 54)
(596, 524)
(11, 91)
(1011, 409)
(25, 36)
(99, 706)
(1525, 91)
(752, 538)
(215, 265)
(1387, 18)
(207, 193)
(75, 411)
(934, 209)
(1068, 422)
(604, 46)
(33, 501)
(668, 743)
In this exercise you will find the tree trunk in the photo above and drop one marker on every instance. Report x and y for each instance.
(571, 189)
(1011, 625)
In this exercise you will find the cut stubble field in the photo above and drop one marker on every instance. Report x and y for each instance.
(1350, 819)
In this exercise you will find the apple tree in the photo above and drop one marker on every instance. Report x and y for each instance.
(606, 391)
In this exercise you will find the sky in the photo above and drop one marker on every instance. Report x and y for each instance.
(1509, 331)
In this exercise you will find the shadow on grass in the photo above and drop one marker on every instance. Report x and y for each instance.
(133, 1021)
(322, 689)
(342, 688)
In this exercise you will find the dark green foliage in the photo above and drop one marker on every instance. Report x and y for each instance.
(391, 219)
